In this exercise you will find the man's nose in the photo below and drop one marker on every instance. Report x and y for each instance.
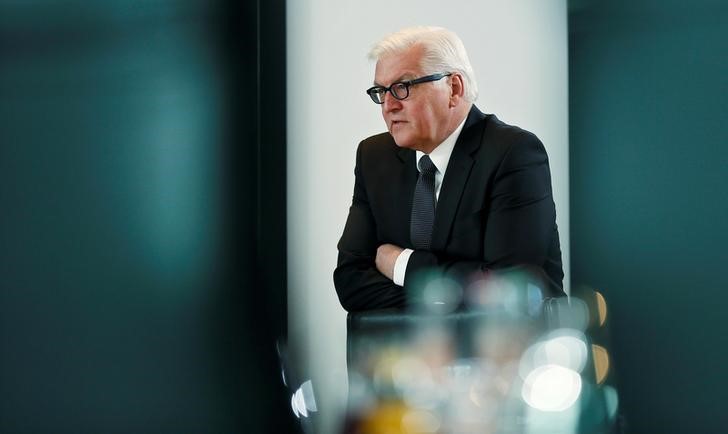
(391, 103)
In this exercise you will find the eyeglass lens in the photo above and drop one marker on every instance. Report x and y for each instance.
(399, 91)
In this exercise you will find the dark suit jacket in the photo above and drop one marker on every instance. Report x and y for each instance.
(495, 210)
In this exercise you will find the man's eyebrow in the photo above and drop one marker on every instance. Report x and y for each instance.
(404, 77)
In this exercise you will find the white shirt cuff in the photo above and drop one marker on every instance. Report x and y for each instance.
(400, 266)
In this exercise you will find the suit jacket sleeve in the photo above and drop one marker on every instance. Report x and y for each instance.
(517, 220)
(359, 285)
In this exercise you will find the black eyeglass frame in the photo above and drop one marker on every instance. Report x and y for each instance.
(374, 91)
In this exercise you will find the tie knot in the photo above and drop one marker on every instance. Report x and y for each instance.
(426, 165)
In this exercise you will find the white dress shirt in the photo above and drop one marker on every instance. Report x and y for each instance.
(440, 156)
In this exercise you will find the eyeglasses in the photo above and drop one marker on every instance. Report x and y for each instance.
(400, 89)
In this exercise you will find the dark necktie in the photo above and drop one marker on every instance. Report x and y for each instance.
(423, 205)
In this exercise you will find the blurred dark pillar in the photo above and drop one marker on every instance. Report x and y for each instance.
(649, 209)
(142, 216)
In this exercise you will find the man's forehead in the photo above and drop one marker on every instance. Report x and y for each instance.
(396, 67)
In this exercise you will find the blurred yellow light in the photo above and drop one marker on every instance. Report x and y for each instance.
(601, 363)
(602, 307)
(420, 422)
(385, 418)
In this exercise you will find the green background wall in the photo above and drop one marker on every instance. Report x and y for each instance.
(142, 217)
(649, 200)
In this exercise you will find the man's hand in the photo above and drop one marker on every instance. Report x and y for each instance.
(387, 255)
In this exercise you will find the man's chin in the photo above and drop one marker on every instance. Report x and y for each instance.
(402, 142)
(406, 145)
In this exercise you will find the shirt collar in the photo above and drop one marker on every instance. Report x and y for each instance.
(440, 156)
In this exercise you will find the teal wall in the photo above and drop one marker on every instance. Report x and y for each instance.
(131, 293)
(649, 200)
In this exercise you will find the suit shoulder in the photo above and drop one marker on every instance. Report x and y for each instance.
(378, 141)
(378, 145)
(510, 134)
(514, 142)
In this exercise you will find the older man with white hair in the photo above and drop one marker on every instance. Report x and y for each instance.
(447, 190)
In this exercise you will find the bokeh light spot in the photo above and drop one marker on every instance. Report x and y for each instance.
(551, 388)
(601, 363)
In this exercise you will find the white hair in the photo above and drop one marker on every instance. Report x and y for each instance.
(443, 52)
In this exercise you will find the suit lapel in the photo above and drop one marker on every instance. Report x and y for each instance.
(456, 176)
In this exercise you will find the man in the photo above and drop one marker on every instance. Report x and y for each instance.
(448, 189)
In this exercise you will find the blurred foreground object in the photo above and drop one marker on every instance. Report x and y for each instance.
(508, 363)
(135, 295)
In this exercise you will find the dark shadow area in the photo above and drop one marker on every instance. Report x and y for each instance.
(142, 231)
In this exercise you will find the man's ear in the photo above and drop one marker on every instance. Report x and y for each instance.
(457, 88)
